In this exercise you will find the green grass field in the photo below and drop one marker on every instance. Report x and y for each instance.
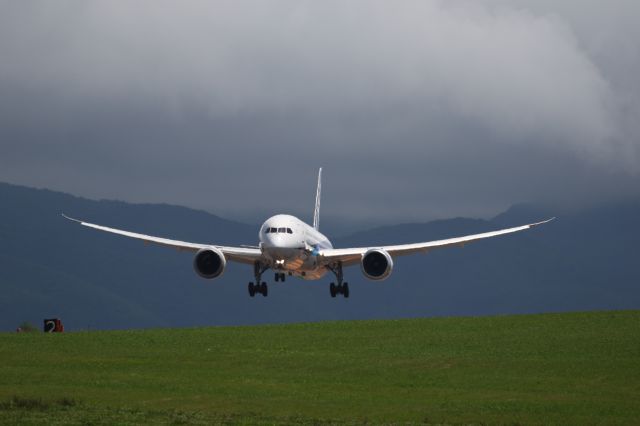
(577, 368)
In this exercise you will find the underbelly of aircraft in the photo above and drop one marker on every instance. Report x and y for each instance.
(296, 261)
(312, 274)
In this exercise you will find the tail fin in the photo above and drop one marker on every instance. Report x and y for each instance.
(316, 211)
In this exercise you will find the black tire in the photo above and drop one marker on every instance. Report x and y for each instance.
(252, 290)
(332, 289)
(264, 289)
(345, 290)
(277, 277)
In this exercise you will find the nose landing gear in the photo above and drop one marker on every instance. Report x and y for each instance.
(280, 276)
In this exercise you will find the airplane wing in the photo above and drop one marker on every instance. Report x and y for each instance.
(237, 254)
(350, 256)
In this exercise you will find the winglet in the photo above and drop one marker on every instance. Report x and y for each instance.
(316, 211)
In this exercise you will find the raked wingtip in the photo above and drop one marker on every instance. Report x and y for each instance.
(70, 218)
(543, 222)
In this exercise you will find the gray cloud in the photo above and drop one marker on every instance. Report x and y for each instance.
(416, 109)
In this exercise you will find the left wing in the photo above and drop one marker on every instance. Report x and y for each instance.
(350, 256)
(237, 254)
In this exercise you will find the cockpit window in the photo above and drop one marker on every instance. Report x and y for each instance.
(278, 230)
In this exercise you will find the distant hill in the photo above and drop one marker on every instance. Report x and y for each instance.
(49, 267)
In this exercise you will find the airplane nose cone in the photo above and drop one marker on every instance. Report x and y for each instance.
(281, 241)
(282, 248)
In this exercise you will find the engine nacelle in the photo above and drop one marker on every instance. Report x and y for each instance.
(209, 263)
(376, 264)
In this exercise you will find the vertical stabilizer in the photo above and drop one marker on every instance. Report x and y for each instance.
(316, 211)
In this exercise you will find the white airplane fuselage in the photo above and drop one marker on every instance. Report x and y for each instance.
(290, 246)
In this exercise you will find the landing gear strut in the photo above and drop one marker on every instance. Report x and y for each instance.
(258, 287)
(342, 287)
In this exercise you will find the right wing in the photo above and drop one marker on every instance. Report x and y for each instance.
(237, 254)
(350, 256)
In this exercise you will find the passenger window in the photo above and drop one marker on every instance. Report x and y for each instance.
(289, 231)
(283, 230)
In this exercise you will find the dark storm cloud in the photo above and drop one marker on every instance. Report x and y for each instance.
(416, 109)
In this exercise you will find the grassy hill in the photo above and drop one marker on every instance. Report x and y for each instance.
(577, 368)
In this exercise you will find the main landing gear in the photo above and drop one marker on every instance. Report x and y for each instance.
(342, 287)
(258, 288)
(258, 270)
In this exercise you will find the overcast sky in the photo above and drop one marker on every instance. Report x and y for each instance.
(415, 109)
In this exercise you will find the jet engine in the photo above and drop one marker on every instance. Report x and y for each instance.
(376, 264)
(209, 263)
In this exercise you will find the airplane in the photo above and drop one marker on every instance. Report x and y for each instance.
(289, 246)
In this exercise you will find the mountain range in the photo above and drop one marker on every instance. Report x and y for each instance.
(586, 259)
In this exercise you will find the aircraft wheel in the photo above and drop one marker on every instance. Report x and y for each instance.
(264, 289)
(252, 290)
(345, 290)
(332, 289)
